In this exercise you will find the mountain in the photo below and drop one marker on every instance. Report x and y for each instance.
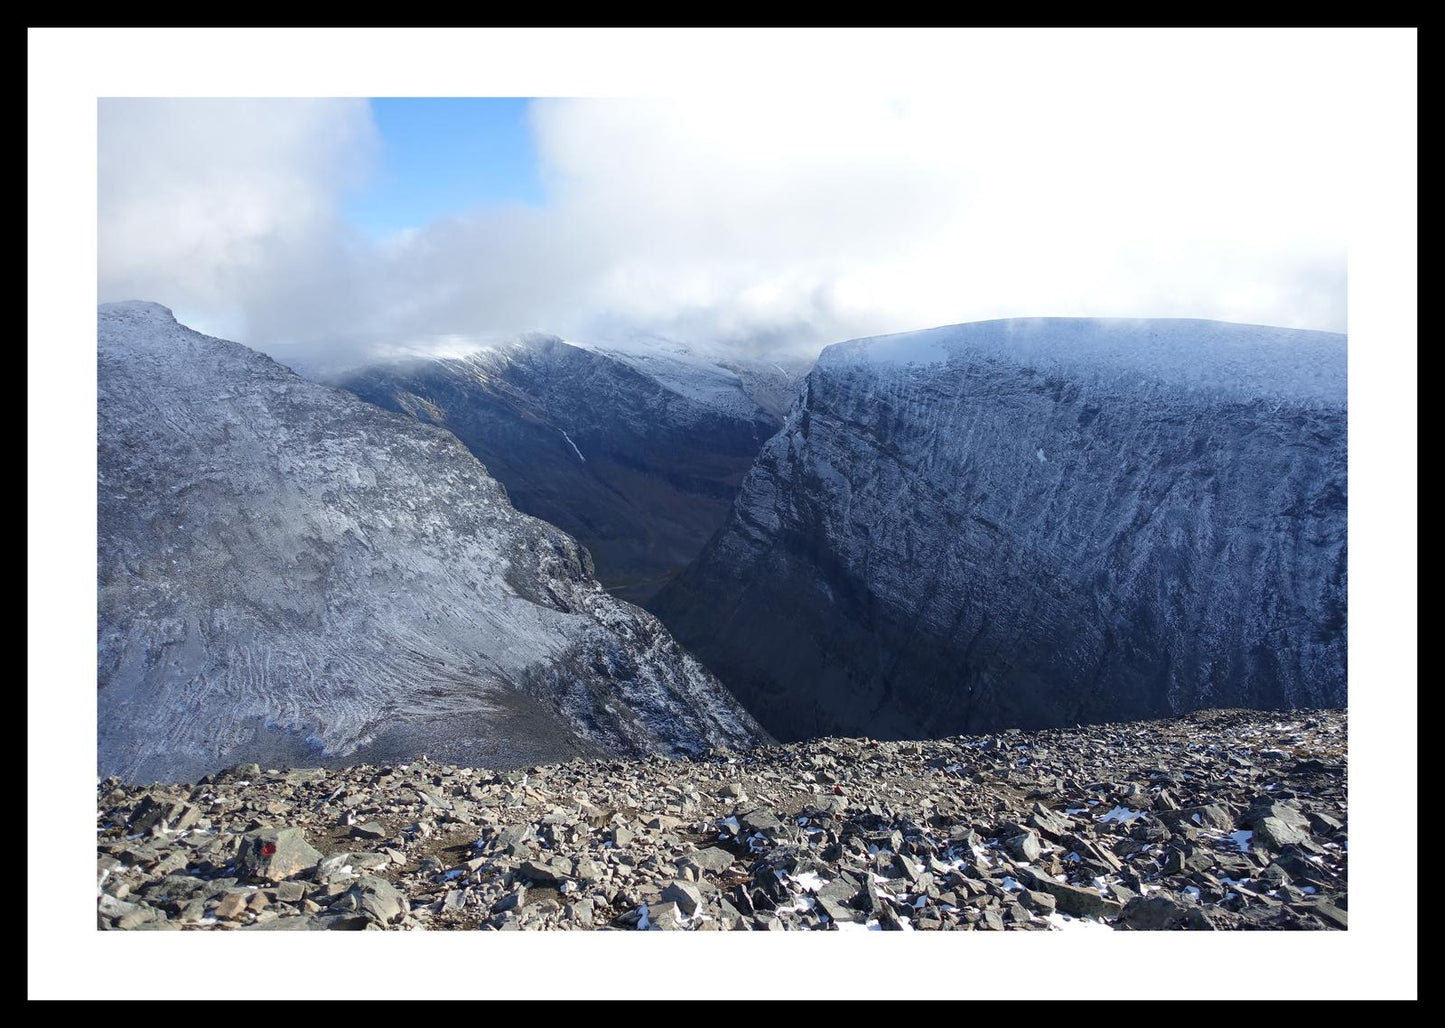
(1036, 523)
(290, 575)
(636, 450)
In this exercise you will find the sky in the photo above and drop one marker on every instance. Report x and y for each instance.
(442, 156)
(329, 230)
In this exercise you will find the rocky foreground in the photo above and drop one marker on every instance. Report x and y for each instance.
(1218, 820)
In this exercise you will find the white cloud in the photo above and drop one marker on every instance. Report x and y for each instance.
(220, 208)
(1138, 189)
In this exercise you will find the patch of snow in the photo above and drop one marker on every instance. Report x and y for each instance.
(574, 446)
(810, 881)
(1213, 356)
(1121, 814)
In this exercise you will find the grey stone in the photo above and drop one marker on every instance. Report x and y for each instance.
(546, 872)
(713, 860)
(1324, 824)
(1042, 902)
(663, 917)
(762, 820)
(1158, 913)
(1025, 846)
(1274, 834)
(514, 900)
(147, 815)
(1286, 811)
(685, 895)
(1049, 822)
(889, 920)
(906, 867)
(232, 906)
(376, 898)
(1076, 900)
(582, 913)
(835, 909)
(1122, 892)
(276, 853)
(114, 908)
(138, 917)
(287, 892)
(299, 923)
(1331, 913)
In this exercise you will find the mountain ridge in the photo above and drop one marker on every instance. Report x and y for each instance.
(288, 572)
(1036, 522)
(636, 454)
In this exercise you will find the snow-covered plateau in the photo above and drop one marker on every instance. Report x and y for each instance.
(1036, 523)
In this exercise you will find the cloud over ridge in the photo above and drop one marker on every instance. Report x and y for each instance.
(752, 222)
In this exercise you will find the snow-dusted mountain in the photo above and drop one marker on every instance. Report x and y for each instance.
(1035, 523)
(715, 374)
(636, 448)
(290, 575)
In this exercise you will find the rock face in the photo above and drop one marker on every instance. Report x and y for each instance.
(637, 454)
(290, 575)
(832, 834)
(1035, 523)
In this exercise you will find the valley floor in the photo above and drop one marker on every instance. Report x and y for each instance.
(1225, 819)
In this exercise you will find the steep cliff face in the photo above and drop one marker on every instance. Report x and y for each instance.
(1034, 523)
(290, 575)
(637, 453)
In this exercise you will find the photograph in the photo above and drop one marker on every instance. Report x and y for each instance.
(831, 506)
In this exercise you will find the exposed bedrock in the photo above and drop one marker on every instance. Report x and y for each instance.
(1036, 523)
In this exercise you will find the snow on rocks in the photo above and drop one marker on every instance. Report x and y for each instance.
(654, 844)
